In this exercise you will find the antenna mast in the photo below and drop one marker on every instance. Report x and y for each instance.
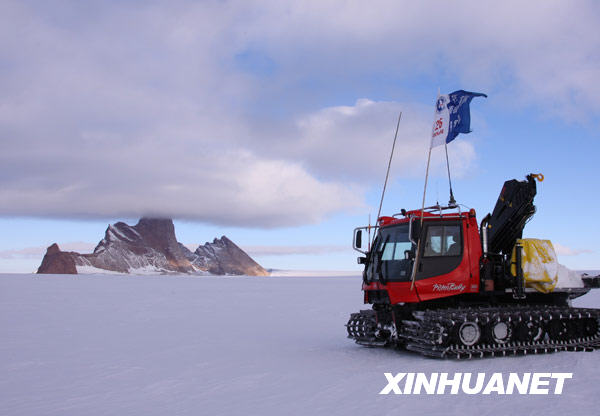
(387, 173)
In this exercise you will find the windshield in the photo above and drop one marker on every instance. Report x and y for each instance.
(391, 260)
(394, 242)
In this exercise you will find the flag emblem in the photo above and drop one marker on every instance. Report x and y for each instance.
(452, 116)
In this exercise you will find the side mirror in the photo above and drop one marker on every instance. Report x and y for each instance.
(361, 260)
(358, 239)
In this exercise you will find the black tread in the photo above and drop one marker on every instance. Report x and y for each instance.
(433, 333)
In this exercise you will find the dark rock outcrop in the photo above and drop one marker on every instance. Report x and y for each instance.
(151, 247)
(222, 256)
(148, 246)
(58, 262)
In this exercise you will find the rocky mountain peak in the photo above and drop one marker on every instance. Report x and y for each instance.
(223, 256)
(53, 249)
(157, 228)
(220, 242)
(151, 246)
(57, 262)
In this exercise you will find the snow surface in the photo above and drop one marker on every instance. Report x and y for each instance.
(115, 234)
(567, 277)
(181, 345)
(312, 273)
(89, 269)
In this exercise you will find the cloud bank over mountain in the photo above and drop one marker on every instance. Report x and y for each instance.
(201, 111)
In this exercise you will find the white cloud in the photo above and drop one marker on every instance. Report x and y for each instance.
(355, 141)
(568, 251)
(234, 188)
(538, 53)
(120, 110)
(133, 116)
(37, 252)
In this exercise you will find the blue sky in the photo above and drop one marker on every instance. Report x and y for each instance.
(271, 122)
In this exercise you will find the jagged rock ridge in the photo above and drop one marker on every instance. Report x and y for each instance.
(151, 247)
(222, 256)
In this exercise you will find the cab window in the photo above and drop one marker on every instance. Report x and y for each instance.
(443, 240)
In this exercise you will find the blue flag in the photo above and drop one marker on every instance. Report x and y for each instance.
(452, 116)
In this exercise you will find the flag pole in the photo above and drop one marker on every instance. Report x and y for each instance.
(415, 264)
(443, 130)
(414, 269)
(452, 200)
(369, 230)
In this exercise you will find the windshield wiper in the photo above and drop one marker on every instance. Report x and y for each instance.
(379, 256)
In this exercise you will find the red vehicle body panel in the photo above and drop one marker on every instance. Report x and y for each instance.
(463, 279)
(399, 292)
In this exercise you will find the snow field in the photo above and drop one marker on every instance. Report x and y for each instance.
(180, 345)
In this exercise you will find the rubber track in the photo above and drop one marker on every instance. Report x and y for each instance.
(430, 331)
(362, 327)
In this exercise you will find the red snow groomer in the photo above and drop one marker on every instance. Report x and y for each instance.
(442, 285)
